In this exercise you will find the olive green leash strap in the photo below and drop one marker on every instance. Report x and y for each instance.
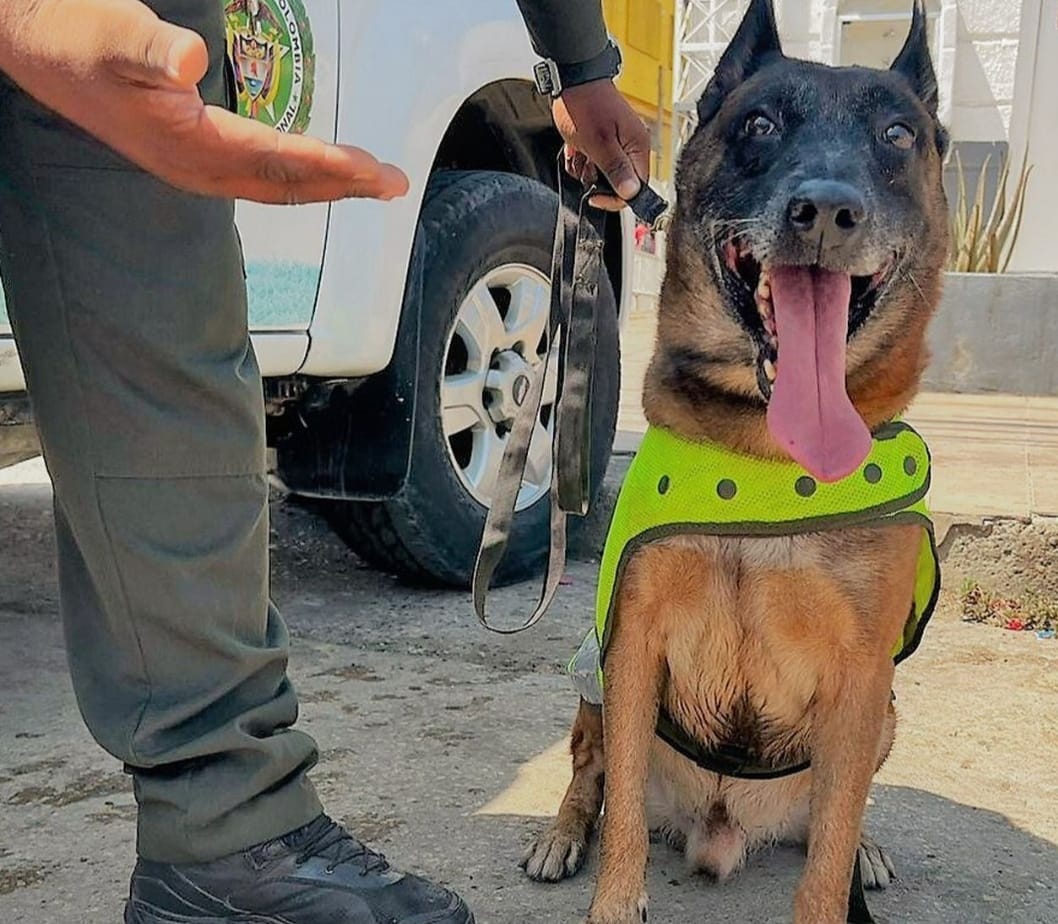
(576, 341)
(500, 516)
(576, 275)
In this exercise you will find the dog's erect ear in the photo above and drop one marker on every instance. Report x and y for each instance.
(754, 44)
(915, 62)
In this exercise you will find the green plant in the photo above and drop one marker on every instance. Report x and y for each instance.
(1033, 612)
(983, 234)
(980, 605)
(1040, 612)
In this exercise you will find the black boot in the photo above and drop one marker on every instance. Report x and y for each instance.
(318, 874)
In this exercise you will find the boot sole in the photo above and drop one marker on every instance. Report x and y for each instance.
(141, 913)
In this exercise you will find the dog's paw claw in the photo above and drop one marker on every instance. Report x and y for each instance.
(554, 856)
(876, 866)
(670, 835)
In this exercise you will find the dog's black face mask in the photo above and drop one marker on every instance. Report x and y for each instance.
(815, 195)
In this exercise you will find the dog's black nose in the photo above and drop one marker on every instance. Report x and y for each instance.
(827, 207)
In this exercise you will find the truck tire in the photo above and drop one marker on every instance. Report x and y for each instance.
(487, 239)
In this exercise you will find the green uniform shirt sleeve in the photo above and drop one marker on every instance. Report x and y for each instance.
(567, 31)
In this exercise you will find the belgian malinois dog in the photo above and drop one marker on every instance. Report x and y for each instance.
(805, 259)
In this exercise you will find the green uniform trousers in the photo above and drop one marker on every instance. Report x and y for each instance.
(129, 306)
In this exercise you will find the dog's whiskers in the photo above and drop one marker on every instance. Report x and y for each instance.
(734, 224)
(911, 278)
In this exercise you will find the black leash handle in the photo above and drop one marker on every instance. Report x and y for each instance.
(646, 204)
(576, 274)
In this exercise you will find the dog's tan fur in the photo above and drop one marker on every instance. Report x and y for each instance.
(775, 632)
(785, 640)
(782, 644)
(703, 624)
(791, 637)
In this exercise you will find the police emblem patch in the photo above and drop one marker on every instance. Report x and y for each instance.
(271, 51)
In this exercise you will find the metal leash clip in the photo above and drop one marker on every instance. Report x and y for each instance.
(576, 274)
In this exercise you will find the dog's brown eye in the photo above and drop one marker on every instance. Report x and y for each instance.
(900, 136)
(759, 125)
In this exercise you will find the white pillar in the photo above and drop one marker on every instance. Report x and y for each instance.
(1034, 129)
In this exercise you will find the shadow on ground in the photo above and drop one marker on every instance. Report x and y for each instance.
(956, 864)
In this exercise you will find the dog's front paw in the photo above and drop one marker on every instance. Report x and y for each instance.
(618, 912)
(876, 866)
(556, 855)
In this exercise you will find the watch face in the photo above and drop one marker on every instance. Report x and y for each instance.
(546, 76)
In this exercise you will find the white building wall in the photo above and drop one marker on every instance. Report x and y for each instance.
(1034, 135)
(976, 47)
(986, 63)
(796, 27)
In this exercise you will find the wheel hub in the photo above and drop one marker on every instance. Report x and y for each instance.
(507, 385)
(499, 341)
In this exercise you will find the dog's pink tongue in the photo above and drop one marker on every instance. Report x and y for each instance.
(810, 414)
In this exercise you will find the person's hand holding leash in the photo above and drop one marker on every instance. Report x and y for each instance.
(129, 78)
(603, 133)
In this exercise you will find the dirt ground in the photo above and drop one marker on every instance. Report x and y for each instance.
(445, 747)
(1005, 556)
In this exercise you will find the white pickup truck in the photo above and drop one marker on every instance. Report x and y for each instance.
(394, 337)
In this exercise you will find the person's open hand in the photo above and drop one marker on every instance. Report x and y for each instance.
(130, 79)
(603, 133)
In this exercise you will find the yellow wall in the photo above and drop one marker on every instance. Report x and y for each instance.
(644, 30)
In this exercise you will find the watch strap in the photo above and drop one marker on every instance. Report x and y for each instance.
(552, 78)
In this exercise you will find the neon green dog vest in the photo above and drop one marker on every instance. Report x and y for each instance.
(678, 487)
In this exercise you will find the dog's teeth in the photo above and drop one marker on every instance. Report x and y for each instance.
(769, 370)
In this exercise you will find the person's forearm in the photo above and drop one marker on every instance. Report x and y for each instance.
(567, 31)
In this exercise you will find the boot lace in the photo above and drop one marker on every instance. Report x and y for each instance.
(328, 840)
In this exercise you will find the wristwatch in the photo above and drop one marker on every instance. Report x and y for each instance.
(552, 78)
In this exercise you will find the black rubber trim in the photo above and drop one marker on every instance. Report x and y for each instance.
(716, 760)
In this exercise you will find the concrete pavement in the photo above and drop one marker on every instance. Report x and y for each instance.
(445, 747)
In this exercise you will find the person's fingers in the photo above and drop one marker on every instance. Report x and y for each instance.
(316, 173)
(268, 166)
(619, 170)
(589, 174)
(596, 120)
(370, 178)
(580, 167)
(608, 203)
(183, 56)
(626, 158)
(570, 156)
(149, 51)
(637, 145)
